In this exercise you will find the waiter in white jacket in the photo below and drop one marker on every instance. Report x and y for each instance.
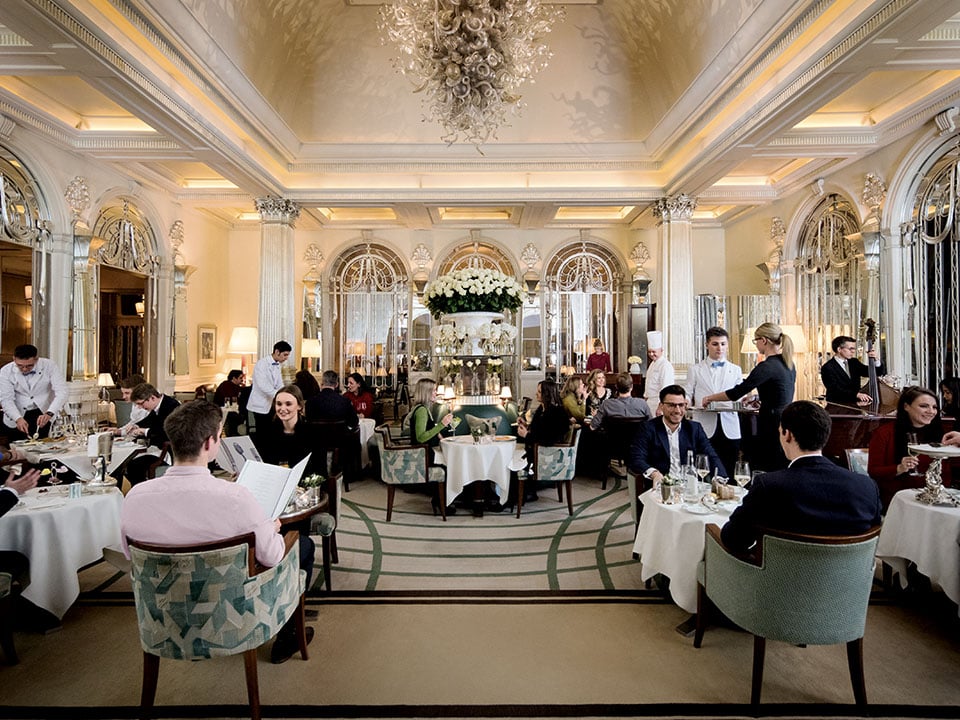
(711, 375)
(659, 371)
(32, 392)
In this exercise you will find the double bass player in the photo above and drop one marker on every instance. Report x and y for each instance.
(842, 374)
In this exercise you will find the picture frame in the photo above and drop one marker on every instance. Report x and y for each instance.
(206, 345)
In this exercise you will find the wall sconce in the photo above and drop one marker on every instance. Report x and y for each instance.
(28, 294)
(532, 282)
(419, 284)
(141, 307)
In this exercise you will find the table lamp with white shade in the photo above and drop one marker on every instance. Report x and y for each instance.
(104, 382)
(310, 351)
(243, 342)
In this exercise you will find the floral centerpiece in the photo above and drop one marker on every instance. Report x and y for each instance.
(472, 290)
(634, 362)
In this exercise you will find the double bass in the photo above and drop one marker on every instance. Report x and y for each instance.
(883, 398)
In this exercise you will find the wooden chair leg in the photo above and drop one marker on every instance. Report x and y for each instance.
(855, 662)
(6, 629)
(301, 615)
(442, 499)
(325, 553)
(569, 495)
(759, 650)
(703, 607)
(390, 491)
(148, 690)
(253, 687)
(334, 554)
(560, 491)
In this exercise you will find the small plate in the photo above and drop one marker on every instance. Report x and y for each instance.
(697, 509)
(504, 438)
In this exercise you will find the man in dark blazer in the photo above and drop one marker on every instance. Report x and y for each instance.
(812, 495)
(11, 561)
(331, 406)
(843, 374)
(651, 454)
(158, 407)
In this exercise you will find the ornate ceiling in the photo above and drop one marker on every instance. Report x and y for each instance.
(737, 102)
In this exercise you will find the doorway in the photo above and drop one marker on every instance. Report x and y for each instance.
(16, 297)
(122, 308)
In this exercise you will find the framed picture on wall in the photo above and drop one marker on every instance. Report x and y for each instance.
(207, 345)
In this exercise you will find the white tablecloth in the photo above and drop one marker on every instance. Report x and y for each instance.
(468, 462)
(925, 535)
(75, 456)
(670, 541)
(60, 535)
(367, 427)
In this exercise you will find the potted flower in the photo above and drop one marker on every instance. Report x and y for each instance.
(311, 484)
(634, 362)
(472, 290)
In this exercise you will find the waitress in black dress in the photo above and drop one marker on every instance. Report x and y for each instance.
(775, 380)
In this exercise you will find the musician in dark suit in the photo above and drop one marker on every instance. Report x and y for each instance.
(812, 496)
(842, 374)
(661, 445)
(158, 407)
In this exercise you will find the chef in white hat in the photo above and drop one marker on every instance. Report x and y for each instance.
(659, 371)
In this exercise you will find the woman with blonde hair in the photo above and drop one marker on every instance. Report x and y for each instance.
(597, 391)
(573, 397)
(775, 380)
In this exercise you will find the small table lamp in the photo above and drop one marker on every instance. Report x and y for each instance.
(104, 382)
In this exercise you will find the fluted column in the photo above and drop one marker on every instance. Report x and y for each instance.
(676, 277)
(276, 317)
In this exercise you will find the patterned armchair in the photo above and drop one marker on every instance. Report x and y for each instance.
(204, 601)
(406, 464)
(553, 464)
(806, 589)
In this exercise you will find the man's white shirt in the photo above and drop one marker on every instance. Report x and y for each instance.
(659, 375)
(703, 380)
(267, 379)
(44, 388)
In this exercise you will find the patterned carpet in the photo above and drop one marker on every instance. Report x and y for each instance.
(546, 550)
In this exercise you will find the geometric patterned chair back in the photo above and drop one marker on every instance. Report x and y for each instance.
(556, 463)
(204, 603)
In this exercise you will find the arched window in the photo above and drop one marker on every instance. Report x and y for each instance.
(831, 283)
(935, 271)
(582, 283)
(371, 306)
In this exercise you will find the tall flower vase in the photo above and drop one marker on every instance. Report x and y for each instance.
(472, 320)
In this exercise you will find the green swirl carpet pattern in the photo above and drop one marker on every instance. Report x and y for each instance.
(546, 549)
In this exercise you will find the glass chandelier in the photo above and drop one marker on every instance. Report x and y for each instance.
(470, 57)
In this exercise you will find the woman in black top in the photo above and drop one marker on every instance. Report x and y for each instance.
(288, 438)
(550, 424)
(775, 380)
(950, 392)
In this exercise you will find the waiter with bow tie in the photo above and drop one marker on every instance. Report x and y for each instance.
(843, 374)
(711, 375)
(32, 392)
(267, 379)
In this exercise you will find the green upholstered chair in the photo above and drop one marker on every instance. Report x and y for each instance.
(552, 464)
(806, 589)
(204, 601)
(858, 460)
(122, 408)
(407, 464)
(507, 417)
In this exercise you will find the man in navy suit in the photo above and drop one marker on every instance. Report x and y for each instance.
(158, 407)
(843, 374)
(661, 446)
(812, 496)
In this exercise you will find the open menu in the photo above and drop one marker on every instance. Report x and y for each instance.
(271, 485)
(235, 452)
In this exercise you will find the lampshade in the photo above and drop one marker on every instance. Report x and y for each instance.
(449, 394)
(105, 380)
(747, 345)
(797, 335)
(243, 341)
(310, 348)
(505, 393)
(441, 391)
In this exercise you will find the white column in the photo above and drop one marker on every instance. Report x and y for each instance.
(677, 316)
(276, 316)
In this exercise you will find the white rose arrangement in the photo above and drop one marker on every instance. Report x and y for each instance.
(472, 290)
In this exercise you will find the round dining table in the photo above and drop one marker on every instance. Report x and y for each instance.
(670, 541)
(468, 462)
(60, 535)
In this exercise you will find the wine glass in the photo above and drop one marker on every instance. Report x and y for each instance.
(455, 423)
(702, 466)
(741, 473)
(912, 439)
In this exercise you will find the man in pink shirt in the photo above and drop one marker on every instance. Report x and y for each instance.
(187, 505)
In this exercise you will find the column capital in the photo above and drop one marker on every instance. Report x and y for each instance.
(674, 207)
(274, 209)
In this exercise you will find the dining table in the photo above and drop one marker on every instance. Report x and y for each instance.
(671, 538)
(468, 461)
(924, 534)
(60, 534)
(76, 456)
